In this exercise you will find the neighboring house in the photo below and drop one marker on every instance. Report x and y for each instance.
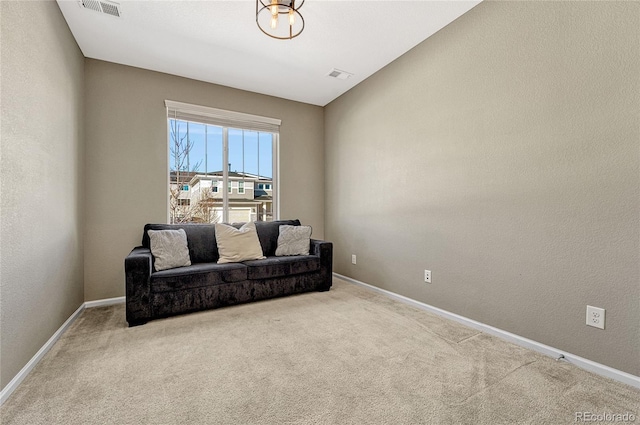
(198, 197)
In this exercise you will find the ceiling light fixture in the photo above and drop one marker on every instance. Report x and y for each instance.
(268, 14)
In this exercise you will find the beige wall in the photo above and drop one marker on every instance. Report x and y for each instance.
(126, 160)
(41, 172)
(505, 151)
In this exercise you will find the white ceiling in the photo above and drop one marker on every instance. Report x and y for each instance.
(219, 42)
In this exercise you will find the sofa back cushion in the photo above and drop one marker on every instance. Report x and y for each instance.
(202, 238)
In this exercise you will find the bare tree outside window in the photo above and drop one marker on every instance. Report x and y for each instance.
(181, 170)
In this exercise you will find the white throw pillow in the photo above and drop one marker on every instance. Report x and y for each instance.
(236, 245)
(293, 240)
(169, 248)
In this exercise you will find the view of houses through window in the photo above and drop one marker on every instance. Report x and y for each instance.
(199, 159)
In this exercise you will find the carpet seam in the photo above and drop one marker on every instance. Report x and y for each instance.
(483, 390)
(421, 325)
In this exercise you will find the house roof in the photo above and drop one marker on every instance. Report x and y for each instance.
(187, 176)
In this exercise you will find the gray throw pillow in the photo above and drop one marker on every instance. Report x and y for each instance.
(293, 240)
(169, 249)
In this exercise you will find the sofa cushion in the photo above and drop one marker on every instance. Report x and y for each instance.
(201, 239)
(281, 266)
(197, 275)
(268, 232)
(236, 245)
(294, 240)
(169, 249)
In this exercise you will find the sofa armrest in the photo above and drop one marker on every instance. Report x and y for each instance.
(138, 266)
(324, 250)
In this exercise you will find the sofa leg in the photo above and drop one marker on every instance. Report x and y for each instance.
(323, 289)
(137, 323)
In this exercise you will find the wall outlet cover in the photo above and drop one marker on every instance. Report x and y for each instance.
(427, 276)
(595, 317)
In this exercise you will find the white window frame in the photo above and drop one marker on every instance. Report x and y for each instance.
(227, 119)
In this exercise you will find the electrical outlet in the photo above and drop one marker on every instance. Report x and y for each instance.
(353, 258)
(427, 276)
(595, 317)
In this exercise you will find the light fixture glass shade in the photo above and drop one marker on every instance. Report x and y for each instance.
(270, 12)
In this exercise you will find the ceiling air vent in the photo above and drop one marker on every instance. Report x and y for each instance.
(340, 75)
(102, 6)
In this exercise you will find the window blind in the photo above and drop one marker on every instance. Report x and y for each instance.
(220, 117)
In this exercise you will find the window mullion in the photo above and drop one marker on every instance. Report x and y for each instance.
(275, 177)
(188, 150)
(206, 156)
(225, 174)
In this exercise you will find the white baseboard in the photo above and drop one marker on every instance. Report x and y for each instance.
(15, 382)
(581, 362)
(104, 302)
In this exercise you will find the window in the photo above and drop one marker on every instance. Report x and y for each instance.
(207, 142)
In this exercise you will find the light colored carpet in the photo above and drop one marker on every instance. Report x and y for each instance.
(347, 356)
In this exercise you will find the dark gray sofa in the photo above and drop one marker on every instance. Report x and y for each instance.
(205, 284)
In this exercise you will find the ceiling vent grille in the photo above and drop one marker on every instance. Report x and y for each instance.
(340, 75)
(102, 6)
